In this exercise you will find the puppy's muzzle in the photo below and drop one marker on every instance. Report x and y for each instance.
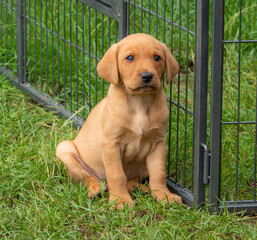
(146, 77)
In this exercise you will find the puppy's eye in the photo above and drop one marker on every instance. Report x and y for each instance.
(157, 58)
(130, 58)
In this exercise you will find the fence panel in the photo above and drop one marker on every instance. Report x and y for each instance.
(233, 112)
(60, 42)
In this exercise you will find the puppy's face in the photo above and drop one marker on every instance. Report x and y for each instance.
(138, 63)
(141, 65)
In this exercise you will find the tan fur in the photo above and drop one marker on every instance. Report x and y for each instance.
(124, 136)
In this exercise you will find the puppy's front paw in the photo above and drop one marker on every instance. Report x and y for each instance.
(166, 196)
(119, 202)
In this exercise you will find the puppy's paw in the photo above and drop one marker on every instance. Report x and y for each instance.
(166, 196)
(95, 189)
(142, 187)
(120, 202)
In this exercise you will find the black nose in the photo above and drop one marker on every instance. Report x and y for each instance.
(146, 77)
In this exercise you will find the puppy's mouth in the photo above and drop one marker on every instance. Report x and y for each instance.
(144, 89)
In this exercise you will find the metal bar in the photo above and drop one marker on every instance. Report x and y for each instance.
(89, 51)
(178, 84)
(239, 122)
(156, 24)
(77, 64)
(201, 73)
(110, 8)
(52, 25)
(238, 100)
(216, 102)
(47, 67)
(20, 21)
(141, 17)
(255, 152)
(170, 97)
(35, 39)
(64, 55)
(246, 207)
(83, 60)
(95, 57)
(241, 41)
(30, 48)
(41, 73)
(70, 23)
(58, 48)
(185, 135)
(123, 20)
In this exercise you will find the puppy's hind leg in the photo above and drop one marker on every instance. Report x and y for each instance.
(66, 152)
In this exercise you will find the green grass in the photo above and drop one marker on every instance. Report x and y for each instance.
(39, 201)
(35, 187)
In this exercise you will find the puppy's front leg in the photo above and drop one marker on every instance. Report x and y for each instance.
(156, 165)
(116, 178)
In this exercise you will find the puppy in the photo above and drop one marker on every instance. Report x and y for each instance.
(124, 137)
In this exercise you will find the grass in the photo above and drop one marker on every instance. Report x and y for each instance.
(39, 201)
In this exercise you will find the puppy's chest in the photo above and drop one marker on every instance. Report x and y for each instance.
(139, 137)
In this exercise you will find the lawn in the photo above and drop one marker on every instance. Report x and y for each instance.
(39, 201)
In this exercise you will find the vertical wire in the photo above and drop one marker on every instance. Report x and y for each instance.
(30, 49)
(58, 49)
(41, 72)
(35, 36)
(52, 25)
(164, 21)
(116, 28)
(149, 8)
(25, 40)
(47, 90)
(83, 61)
(134, 14)
(156, 25)
(64, 50)
(95, 57)
(102, 51)
(6, 31)
(170, 103)
(12, 24)
(255, 153)
(179, 52)
(77, 65)
(185, 136)
(141, 25)
(1, 16)
(238, 100)
(70, 58)
(109, 31)
(89, 52)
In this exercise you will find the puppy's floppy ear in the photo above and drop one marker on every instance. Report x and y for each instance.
(107, 68)
(172, 66)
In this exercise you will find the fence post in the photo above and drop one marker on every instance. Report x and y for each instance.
(201, 88)
(124, 19)
(20, 28)
(216, 102)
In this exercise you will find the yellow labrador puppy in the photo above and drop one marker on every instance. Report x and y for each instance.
(124, 137)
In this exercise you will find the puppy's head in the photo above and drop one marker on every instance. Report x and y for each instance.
(138, 62)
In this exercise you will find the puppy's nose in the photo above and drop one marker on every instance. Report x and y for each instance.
(146, 77)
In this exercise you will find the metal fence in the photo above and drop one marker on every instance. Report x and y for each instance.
(50, 50)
